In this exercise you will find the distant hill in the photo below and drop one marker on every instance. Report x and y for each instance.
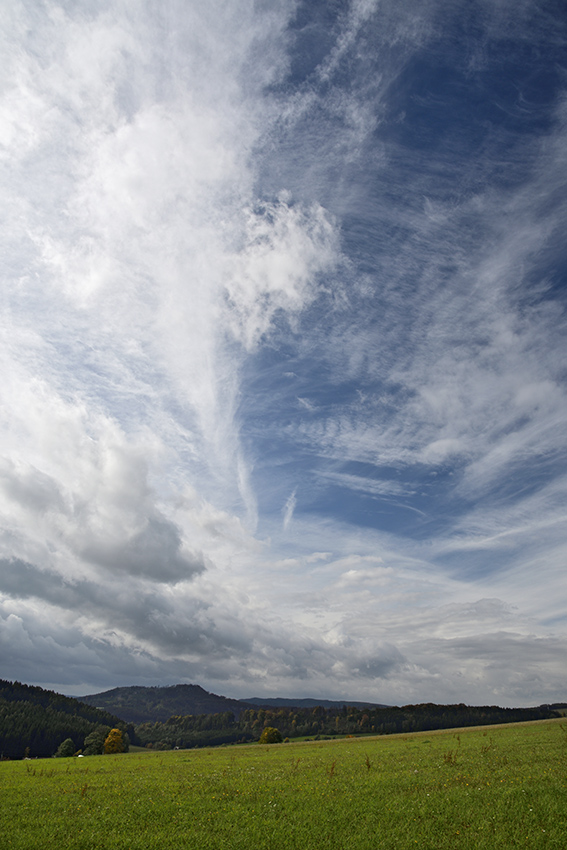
(38, 720)
(139, 704)
(283, 702)
(143, 705)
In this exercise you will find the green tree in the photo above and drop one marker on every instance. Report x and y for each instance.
(94, 742)
(113, 742)
(270, 735)
(66, 749)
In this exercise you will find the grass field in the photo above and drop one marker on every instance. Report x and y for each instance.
(493, 787)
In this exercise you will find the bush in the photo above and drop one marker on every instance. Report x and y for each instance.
(270, 735)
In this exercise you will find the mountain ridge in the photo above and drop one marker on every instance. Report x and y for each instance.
(141, 704)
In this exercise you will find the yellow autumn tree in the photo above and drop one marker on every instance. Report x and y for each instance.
(270, 736)
(113, 742)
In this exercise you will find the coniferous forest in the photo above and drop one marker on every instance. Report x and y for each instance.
(35, 722)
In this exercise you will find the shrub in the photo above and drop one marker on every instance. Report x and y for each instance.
(270, 735)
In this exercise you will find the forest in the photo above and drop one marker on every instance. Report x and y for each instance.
(318, 722)
(35, 722)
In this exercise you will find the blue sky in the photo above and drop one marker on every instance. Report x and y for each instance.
(283, 351)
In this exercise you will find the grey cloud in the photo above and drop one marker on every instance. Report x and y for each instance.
(109, 601)
(194, 627)
(37, 650)
(381, 665)
(33, 489)
(154, 552)
(495, 666)
(23, 580)
(420, 666)
(180, 625)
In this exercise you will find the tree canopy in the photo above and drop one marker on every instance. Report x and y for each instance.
(271, 735)
(66, 749)
(114, 742)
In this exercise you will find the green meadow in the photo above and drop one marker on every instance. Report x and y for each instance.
(489, 787)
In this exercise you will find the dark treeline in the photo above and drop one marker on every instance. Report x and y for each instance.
(34, 721)
(224, 728)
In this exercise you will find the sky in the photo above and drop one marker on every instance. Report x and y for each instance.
(283, 350)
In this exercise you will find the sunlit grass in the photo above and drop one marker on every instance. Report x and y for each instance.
(484, 788)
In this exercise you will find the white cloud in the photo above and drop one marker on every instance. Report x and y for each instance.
(166, 232)
(373, 487)
(122, 371)
(288, 509)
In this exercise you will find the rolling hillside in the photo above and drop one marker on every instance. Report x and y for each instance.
(36, 721)
(143, 705)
